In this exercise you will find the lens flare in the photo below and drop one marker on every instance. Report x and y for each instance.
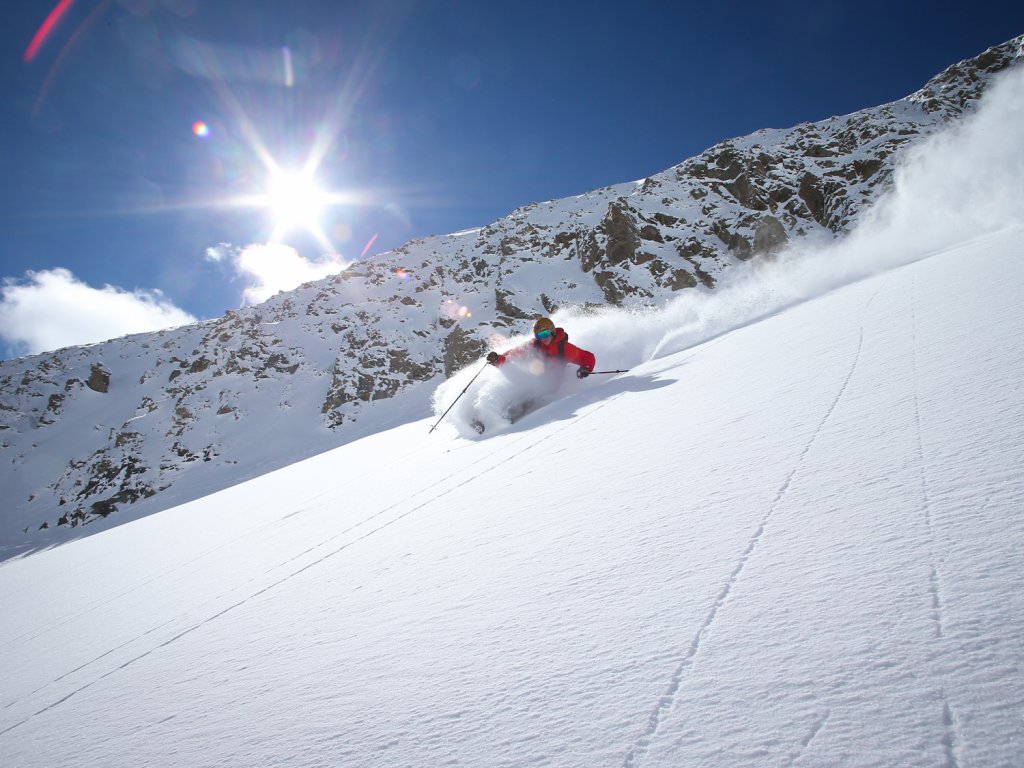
(201, 129)
(289, 70)
(341, 232)
(45, 29)
(455, 310)
(368, 246)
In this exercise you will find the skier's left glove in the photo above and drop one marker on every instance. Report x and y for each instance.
(582, 372)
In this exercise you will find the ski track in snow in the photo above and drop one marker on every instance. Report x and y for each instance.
(89, 607)
(805, 742)
(668, 700)
(925, 496)
(949, 736)
(504, 455)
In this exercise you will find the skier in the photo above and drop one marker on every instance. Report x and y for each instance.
(549, 341)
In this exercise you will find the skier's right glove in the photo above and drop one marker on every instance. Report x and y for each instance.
(493, 357)
(582, 372)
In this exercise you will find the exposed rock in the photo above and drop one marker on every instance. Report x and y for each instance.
(747, 193)
(810, 192)
(407, 370)
(621, 230)
(460, 347)
(199, 365)
(589, 251)
(865, 169)
(550, 306)
(336, 397)
(277, 362)
(53, 408)
(564, 240)
(770, 236)
(652, 233)
(124, 438)
(682, 279)
(738, 245)
(507, 310)
(816, 150)
(99, 379)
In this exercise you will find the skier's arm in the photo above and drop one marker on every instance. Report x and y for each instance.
(580, 357)
(496, 358)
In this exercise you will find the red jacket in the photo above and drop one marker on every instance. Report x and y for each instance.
(558, 347)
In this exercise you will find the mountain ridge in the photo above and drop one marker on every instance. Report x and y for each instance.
(89, 431)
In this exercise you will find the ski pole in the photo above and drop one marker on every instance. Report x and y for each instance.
(457, 399)
(598, 373)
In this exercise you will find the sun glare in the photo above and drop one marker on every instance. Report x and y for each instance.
(295, 200)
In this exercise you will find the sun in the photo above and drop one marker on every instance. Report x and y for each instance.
(294, 200)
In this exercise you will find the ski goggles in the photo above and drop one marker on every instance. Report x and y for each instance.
(545, 334)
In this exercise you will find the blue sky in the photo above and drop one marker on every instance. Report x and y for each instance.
(140, 137)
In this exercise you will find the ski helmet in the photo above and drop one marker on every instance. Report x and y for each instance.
(544, 324)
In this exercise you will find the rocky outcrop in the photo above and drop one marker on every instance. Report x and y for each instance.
(99, 379)
(770, 236)
(461, 347)
(622, 237)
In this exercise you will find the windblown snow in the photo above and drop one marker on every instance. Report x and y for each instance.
(791, 534)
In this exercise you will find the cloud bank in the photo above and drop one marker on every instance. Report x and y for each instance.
(51, 309)
(271, 268)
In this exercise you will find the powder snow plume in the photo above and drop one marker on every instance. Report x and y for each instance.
(958, 184)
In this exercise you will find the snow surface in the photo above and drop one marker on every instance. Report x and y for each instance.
(790, 535)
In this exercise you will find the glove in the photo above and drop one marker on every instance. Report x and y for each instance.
(582, 372)
(492, 358)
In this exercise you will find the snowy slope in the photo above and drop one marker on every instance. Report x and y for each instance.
(790, 535)
(795, 544)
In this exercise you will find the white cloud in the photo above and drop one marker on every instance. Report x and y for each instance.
(273, 267)
(53, 309)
